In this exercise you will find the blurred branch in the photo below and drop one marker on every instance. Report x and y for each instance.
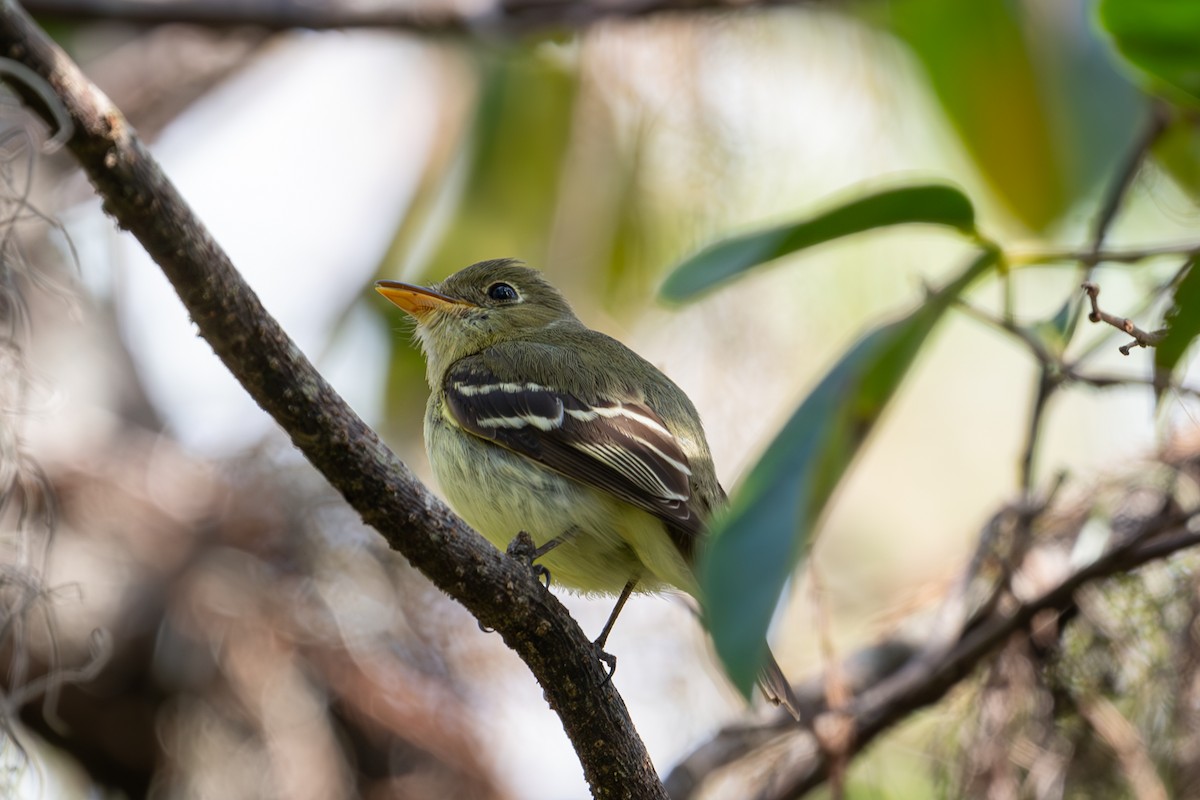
(503, 16)
(1160, 118)
(1046, 386)
(156, 74)
(902, 676)
(499, 591)
(1089, 257)
(1132, 753)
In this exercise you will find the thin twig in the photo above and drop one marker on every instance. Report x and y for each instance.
(1130, 255)
(1047, 384)
(1160, 118)
(1103, 381)
(1010, 327)
(1147, 303)
(1141, 338)
(499, 591)
(1050, 377)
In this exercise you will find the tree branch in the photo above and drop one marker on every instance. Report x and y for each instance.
(1141, 338)
(500, 16)
(499, 591)
(893, 678)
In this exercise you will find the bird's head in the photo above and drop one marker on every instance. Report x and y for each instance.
(477, 307)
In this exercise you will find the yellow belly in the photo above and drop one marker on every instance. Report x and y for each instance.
(606, 541)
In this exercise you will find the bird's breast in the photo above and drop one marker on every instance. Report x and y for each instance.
(501, 493)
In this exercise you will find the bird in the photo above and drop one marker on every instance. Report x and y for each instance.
(537, 424)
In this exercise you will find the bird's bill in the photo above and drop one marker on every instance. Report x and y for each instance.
(416, 300)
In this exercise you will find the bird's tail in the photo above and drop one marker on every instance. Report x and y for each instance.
(775, 687)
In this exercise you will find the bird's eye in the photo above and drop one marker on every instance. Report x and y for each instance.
(502, 292)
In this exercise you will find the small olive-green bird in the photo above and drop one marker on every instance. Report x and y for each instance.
(537, 423)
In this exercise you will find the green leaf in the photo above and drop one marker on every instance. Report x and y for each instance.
(1185, 324)
(757, 542)
(1036, 103)
(930, 203)
(1177, 151)
(1160, 39)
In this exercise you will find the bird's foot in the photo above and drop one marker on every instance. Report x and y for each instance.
(522, 547)
(609, 661)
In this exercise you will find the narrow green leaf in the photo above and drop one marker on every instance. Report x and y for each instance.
(758, 541)
(1177, 151)
(1160, 39)
(937, 204)
(1184, 322)
(1036, 104)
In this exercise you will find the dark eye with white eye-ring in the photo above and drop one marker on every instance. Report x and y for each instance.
(502, 292)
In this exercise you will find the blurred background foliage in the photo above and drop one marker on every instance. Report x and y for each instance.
(251, 626)
(1034, 98)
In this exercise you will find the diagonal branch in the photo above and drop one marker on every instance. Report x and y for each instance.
(500, 592)
(1141, 338)
(497, 16)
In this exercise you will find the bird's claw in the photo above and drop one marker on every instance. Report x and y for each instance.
(609, 661)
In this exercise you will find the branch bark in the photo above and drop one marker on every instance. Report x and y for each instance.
(1141, 338)
(500, 592)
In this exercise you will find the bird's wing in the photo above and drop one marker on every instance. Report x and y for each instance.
(619, 446)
